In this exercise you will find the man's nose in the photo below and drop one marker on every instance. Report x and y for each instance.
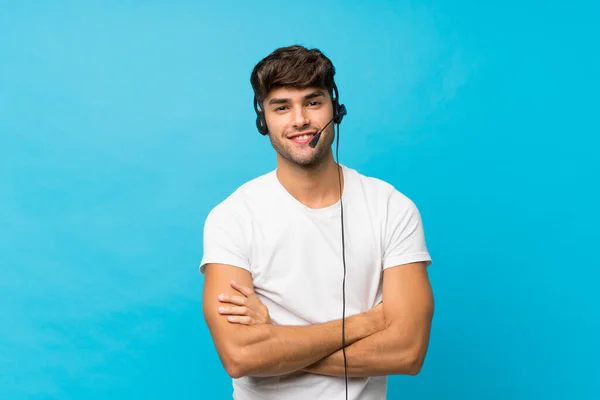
(300, 117)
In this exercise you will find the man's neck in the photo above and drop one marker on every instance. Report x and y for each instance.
(316, 186)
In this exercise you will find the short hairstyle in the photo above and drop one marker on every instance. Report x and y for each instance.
(294, 67)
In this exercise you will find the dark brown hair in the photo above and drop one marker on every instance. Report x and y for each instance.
(295, 67)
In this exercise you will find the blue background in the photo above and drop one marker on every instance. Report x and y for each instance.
(122, 124)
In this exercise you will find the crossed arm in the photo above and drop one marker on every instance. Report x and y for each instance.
(400, 347)
(389, 339)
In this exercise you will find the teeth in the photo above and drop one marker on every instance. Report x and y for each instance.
(303, 137)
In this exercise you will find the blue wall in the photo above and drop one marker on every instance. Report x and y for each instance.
(122, 124)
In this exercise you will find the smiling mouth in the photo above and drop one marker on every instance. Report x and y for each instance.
(302, 139)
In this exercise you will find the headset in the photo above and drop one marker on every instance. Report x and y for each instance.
(339, 110)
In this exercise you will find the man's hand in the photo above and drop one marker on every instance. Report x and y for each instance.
(246, 309)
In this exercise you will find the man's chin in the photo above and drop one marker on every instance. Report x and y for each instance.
(303, 161)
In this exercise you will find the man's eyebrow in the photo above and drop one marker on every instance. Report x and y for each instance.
(278, 101)
(309, 96)
(314, 94)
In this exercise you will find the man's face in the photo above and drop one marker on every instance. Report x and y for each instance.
(294, 116)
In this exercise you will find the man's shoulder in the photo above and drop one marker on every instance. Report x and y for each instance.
(245, 194)
(372, 185)
(380, 191)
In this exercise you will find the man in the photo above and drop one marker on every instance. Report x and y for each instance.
(274, 261)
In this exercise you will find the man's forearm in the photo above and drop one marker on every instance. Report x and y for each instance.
(270, 350)
(379, 354)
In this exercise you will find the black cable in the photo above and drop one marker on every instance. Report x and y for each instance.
(337, 146)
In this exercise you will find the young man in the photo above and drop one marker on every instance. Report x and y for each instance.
(274, 261)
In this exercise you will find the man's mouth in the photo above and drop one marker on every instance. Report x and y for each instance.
(303, 138)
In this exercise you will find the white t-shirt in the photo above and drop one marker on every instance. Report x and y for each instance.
(294, 254)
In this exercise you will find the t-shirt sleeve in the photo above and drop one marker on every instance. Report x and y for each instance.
(225, 239)
(405, 239)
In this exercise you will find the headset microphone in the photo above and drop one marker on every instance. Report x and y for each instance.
(315, 140)
(337, 117)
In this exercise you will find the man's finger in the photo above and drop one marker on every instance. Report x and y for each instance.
(243, 289)
(236, 319)
(239, 300)
(233, 310)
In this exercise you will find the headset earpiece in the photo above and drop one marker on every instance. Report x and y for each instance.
(339, 110)
(261, 123)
